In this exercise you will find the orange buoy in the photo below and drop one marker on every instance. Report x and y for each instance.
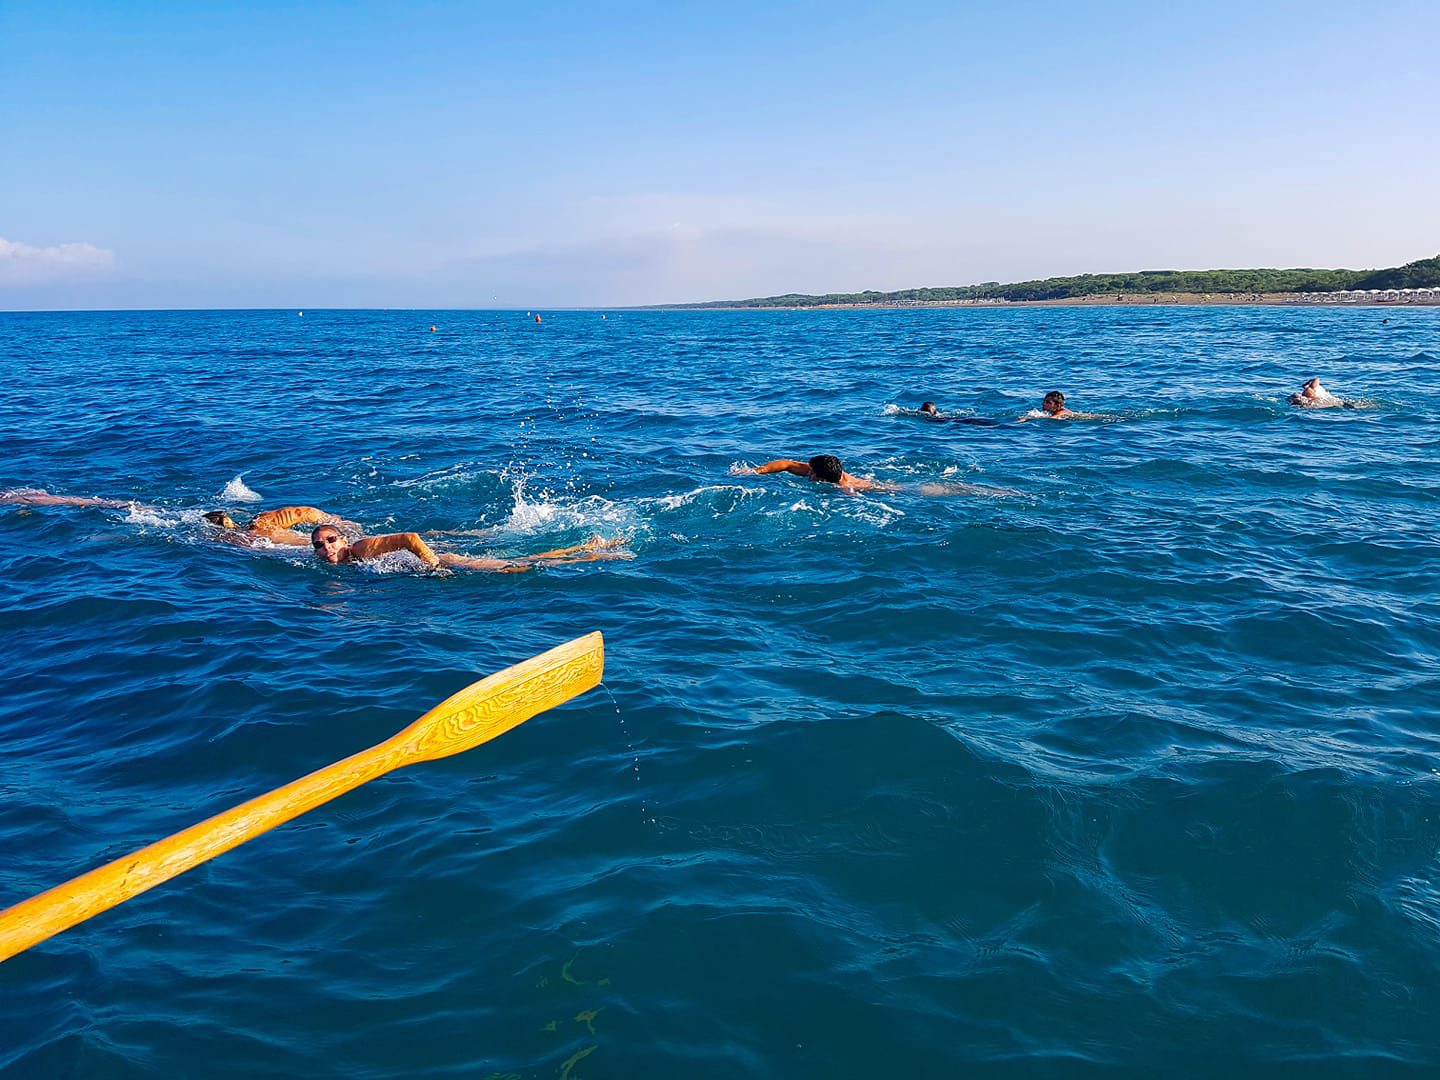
(537, 318)
(432, 329)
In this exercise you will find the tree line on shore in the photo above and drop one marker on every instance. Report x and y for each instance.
(1424, 273)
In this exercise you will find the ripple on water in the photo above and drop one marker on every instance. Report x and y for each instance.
(1136, 766)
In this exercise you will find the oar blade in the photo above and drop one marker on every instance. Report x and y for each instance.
(506, 699)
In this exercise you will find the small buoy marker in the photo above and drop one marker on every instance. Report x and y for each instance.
(432, 329)
(537, 318)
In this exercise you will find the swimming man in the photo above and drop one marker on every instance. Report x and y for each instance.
(1314, 396)
(827, 467)
(1052, 407)
(931, 412)
(824, 467)
(331, 546)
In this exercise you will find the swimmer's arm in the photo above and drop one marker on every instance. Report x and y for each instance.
(372, 547)
(799, 468)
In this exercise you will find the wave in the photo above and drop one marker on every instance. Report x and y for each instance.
(236, 491)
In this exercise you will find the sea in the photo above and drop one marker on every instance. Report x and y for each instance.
(1100, 747)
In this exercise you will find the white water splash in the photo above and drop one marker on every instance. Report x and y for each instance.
(545, 513)
(139, 514)
(236, 491)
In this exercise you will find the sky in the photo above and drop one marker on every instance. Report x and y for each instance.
(485, 155)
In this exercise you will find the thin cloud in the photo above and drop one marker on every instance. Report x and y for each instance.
(26, 264)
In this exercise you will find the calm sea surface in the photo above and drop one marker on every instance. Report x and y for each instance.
(1130, 773)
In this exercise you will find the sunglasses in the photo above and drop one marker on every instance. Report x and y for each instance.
(324, 541)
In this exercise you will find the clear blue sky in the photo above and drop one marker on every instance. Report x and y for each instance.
(356, 154)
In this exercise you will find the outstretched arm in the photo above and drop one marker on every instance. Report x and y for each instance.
(799, 468)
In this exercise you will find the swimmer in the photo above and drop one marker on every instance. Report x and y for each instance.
(331, 546)
(824, 467)
(36, 497)
(1052, 407)
(1314, 396)
(931, 412)
(827, 467)
(275, 526)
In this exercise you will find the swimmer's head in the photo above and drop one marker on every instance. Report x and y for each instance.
(221, 518)
(1054, 401)
(1298, 399)
(826, 467)
(330, 546)
(929, 409)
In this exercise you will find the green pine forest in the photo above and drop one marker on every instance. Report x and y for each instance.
(1424, 273)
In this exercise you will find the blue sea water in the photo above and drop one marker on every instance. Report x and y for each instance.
(1132, 772)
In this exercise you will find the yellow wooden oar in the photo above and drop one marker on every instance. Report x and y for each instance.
(475, 715)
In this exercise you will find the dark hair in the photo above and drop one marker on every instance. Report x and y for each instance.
(221, 518)
(315, 532)
(1054, 397)
(826, 467)
(929, 408)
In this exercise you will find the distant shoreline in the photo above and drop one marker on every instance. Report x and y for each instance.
(1106, 300)
(1416, 282)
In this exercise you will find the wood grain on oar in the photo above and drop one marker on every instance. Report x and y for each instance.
(475, 715)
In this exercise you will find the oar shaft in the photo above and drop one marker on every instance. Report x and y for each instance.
(32, 921)
(476, 714)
